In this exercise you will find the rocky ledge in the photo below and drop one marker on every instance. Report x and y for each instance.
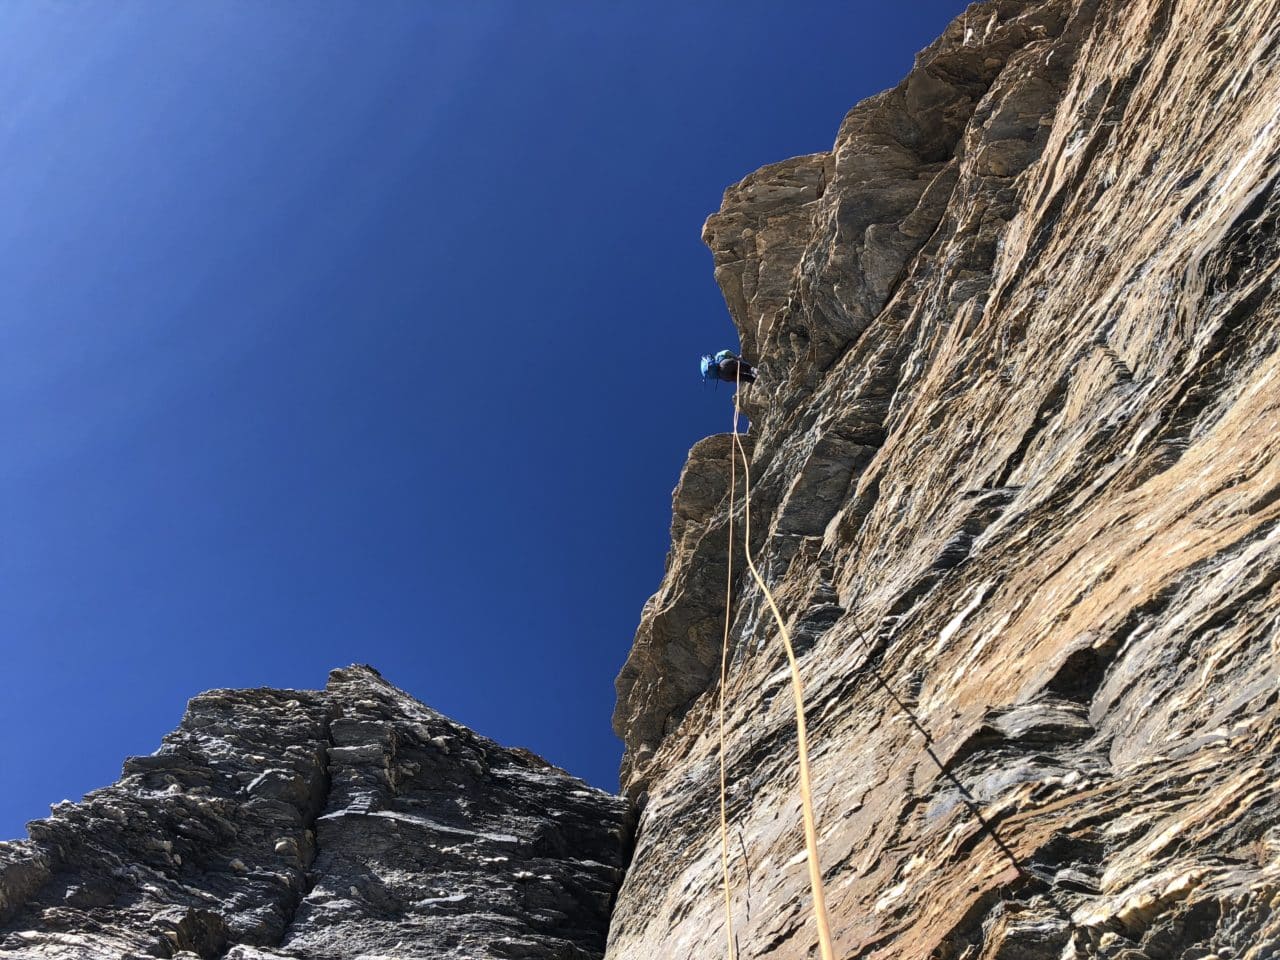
(333, 825)
(1017, 491)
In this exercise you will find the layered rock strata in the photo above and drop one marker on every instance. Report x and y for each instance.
(1016, 463)
(346, 823)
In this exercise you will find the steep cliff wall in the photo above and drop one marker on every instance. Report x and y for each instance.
(351, 822)
(1016, 451)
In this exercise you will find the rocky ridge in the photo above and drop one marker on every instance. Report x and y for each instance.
(1016, 463)
(344, 823)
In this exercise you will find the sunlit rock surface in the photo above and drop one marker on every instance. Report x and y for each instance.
(352, 822)
(1017, 491)
(1016, 461)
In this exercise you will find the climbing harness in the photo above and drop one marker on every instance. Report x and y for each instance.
(797, 691)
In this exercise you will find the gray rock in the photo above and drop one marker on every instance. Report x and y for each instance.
(279, 823)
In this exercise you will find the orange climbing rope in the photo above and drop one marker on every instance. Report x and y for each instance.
(797, 691)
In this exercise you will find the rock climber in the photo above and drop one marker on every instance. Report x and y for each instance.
(728, 366)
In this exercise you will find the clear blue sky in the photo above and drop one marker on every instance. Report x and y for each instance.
(338, 332)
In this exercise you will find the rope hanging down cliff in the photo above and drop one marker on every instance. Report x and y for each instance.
(724, 677)
(797, 691)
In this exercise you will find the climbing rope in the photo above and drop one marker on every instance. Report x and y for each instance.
(724, 676)
(797, 691)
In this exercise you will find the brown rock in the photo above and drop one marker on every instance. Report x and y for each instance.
(1017, 468)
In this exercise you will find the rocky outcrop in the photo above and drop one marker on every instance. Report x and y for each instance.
(1016, 464)
(351, 822)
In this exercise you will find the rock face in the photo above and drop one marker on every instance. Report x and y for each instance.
(1016, 464)
(352, 822)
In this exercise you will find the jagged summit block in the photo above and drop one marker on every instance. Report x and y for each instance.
(344, 823)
